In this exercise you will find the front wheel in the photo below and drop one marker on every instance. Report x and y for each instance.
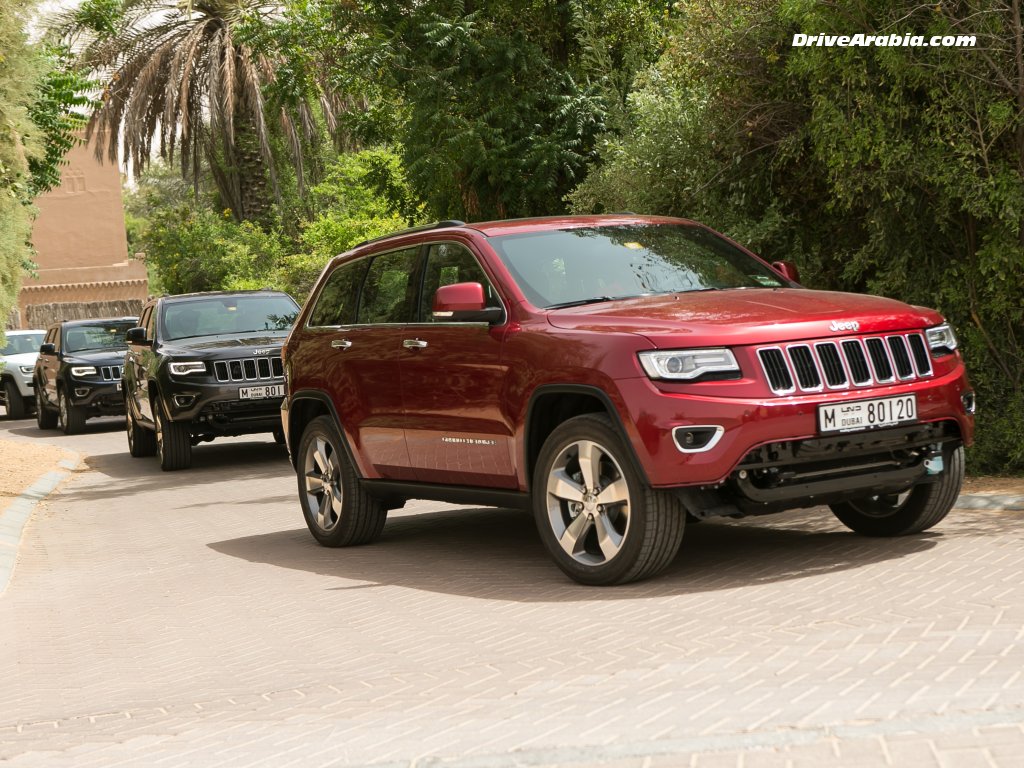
(15, 403)
(141, 441)
(913, 511)
(70, 418)
(338, 512)
(45, 418)
(595, 513)
(173, 440)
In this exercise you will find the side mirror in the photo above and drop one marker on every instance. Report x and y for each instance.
(47, 349)
(136, 336)
(464, 302)
(788, 270)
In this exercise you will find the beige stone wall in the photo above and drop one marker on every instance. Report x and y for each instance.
(80, 243)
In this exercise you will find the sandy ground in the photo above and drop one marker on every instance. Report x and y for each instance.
(22, 464)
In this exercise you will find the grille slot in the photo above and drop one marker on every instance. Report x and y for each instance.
(775, 368)
(111, 372)
(901, 357)
(248, 369)
(806, 371)
(844, 364)
(879, 360)
(831, 364)
(922, 359)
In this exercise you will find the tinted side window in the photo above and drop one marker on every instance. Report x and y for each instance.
(336, 304)
(449, 263)
(389, 291)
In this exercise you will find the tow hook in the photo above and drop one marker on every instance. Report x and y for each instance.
(933, 464)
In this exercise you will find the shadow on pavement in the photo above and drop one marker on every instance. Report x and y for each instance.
(497, 554)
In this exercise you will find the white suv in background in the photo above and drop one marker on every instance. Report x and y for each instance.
(17, 358)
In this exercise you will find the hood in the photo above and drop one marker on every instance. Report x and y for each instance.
(25, 358)
(96, 357)
(745, 316)
(228, 344)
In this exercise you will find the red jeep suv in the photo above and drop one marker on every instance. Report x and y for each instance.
(618, 376)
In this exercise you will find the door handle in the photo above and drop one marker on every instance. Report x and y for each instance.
(414, 344)
(341, 344)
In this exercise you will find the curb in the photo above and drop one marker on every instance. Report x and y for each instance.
(991, 501)
(18, 512)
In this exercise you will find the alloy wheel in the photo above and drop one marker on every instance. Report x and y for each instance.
(588, 503)
(324, 495)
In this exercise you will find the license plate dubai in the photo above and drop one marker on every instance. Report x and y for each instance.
(867, 414)
(261, 393)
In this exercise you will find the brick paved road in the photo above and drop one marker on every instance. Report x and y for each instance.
(194, 622)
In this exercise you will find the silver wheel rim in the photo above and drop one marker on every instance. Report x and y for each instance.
(883, 505)
(323, 493)
(588, 503)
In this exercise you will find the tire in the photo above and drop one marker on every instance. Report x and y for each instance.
(173, 440)
(141, 441)
(643, 527)
(45, 418)
(15, 403)
(70, 418)
(278, 436)
(922, 507)
(338, 512)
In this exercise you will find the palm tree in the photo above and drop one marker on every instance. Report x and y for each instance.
(180, 74)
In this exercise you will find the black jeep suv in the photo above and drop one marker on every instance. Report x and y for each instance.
(78, 372)
(204, 365)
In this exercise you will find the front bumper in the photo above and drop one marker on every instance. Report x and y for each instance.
(747, 424)
(101, 397)
(218, 409)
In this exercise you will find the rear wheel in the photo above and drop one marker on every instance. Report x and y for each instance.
(141, 441)
(173, 440)
(913, 511)
(45, 418)
(597, 516)
(15, 403)
(70, 418)
(338, 512)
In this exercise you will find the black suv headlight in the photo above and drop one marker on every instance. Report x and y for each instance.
(687, 364)
(78, 371)
(184, 369)
(941, 339)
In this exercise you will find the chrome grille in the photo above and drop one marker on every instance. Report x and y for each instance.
(850, 363)
(249, 369)
(111, 372)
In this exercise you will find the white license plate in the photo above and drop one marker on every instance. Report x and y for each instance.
(867, 414)
(261, 393)
(117, 385)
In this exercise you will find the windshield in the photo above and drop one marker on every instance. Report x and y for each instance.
(22, 344)
(575, 266)
(217, 315)
(80, 338)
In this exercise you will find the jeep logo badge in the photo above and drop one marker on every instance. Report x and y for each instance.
(850, 325)
(262, 351)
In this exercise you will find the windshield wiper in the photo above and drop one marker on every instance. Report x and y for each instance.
(582, 302)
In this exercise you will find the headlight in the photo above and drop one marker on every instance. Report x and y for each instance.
(27, 369)
(687, 364)
(83, 370)
(183, 369)
(941, 338)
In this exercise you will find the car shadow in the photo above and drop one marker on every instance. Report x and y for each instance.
(211, 463)
(496, 554)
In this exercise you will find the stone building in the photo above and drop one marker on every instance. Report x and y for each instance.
(81, 249)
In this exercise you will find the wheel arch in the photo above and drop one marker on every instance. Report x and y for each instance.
(553, 404)
(306, 405)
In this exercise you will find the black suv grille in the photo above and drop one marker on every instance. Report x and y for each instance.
(111, 372)
(249, 369)
(811, 366)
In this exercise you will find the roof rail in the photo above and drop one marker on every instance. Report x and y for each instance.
(411, 230)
